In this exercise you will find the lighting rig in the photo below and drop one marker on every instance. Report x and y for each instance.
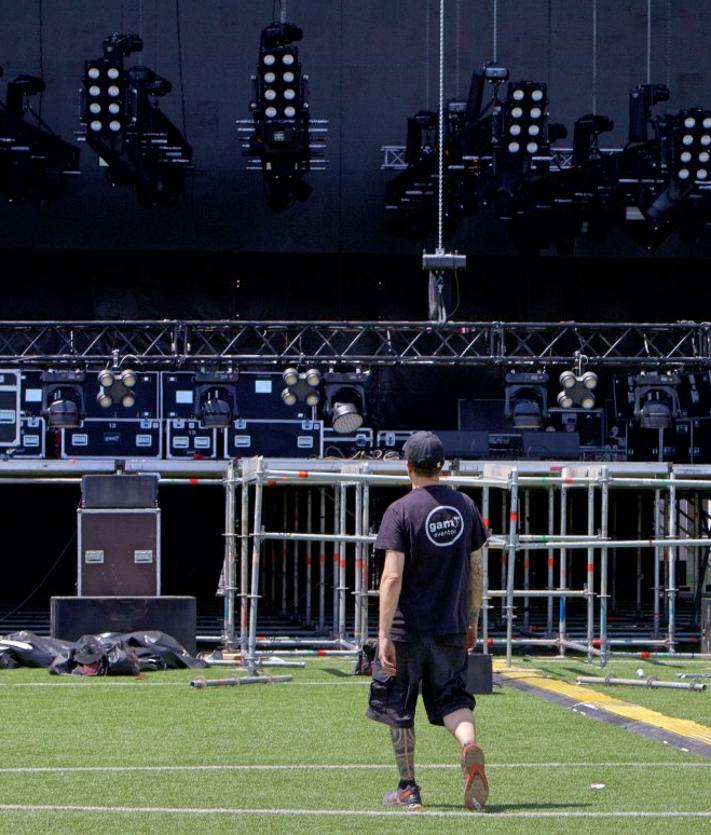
(136, 142)
(281, 139)
(492, 152)
(499, 159)
(33, 159)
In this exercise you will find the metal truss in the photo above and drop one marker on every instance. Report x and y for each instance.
(223, 344)
(561, 158)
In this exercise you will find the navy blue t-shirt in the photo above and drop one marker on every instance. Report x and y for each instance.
(437, 528)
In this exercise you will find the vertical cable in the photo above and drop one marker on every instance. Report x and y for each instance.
(495, 30)
(458, 46)
(594, 57)
(550, 42)
(180, 65)
(649, 41)
(669, 14)
(427, 54)
(41, 50)
(155, 35)
(440, 149)
(340, 135)
(140, 27)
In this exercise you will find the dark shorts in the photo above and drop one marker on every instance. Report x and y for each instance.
(438, 664)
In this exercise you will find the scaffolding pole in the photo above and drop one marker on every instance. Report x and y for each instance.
(228, 568)
(309, 556)
(563, 570)
(342, 587)
(485, 571)
(366, 562)
(513, 544)
(590, 585)
(671, 554)
(322, 561)
(550, 562)
(604, 512)
(254, 589)
(244, 570)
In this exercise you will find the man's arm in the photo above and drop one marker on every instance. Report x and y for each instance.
(476, 590)
(390, 585)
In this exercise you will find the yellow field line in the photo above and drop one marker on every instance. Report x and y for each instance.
(682, 727)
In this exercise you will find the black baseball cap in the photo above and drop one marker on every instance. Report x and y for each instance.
(424, 450)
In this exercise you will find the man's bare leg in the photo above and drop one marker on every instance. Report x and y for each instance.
(460, 723)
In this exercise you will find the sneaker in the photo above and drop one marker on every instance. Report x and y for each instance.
(476, 786)
(409, 798)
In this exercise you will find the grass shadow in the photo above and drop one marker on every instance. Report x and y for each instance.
(334, 671)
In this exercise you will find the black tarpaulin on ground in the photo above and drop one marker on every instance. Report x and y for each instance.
(110, 653)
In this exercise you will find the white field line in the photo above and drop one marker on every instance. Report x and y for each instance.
(354, 813)
(104, 683)
(325, 767)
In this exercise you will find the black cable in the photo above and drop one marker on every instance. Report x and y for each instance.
(41, 52)
(42, 581)
(180, 66)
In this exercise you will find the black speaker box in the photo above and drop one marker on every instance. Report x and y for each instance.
(72, 617)
(114, 491)
(480, 677)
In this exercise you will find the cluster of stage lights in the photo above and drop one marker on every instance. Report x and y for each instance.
(116, 388)
(279, 85)
(693, 150)
(525, 117)
(105, 91)
(301, 385)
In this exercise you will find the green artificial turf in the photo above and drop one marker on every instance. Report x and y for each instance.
(683, 704)
(317, 720)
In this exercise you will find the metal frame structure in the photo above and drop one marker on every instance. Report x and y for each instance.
(226, 343)
(561, 158)
(513, 480)
(346, 531)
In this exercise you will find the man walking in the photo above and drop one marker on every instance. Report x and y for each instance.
(430, 595)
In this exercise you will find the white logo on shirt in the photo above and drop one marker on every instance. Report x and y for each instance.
(444, 525)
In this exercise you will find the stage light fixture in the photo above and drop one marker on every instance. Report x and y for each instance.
(281, 133)
(63, 403)
(577, 390)
(345, 401)
(301, 385)
(656, 399)
(525, 114)
(526, 399)
(34, 160)
(216, 398)
(691, 137)
(134, 140)
(116, 387)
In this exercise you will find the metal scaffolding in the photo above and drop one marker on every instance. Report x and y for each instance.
(349, 487)
(551, 513)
